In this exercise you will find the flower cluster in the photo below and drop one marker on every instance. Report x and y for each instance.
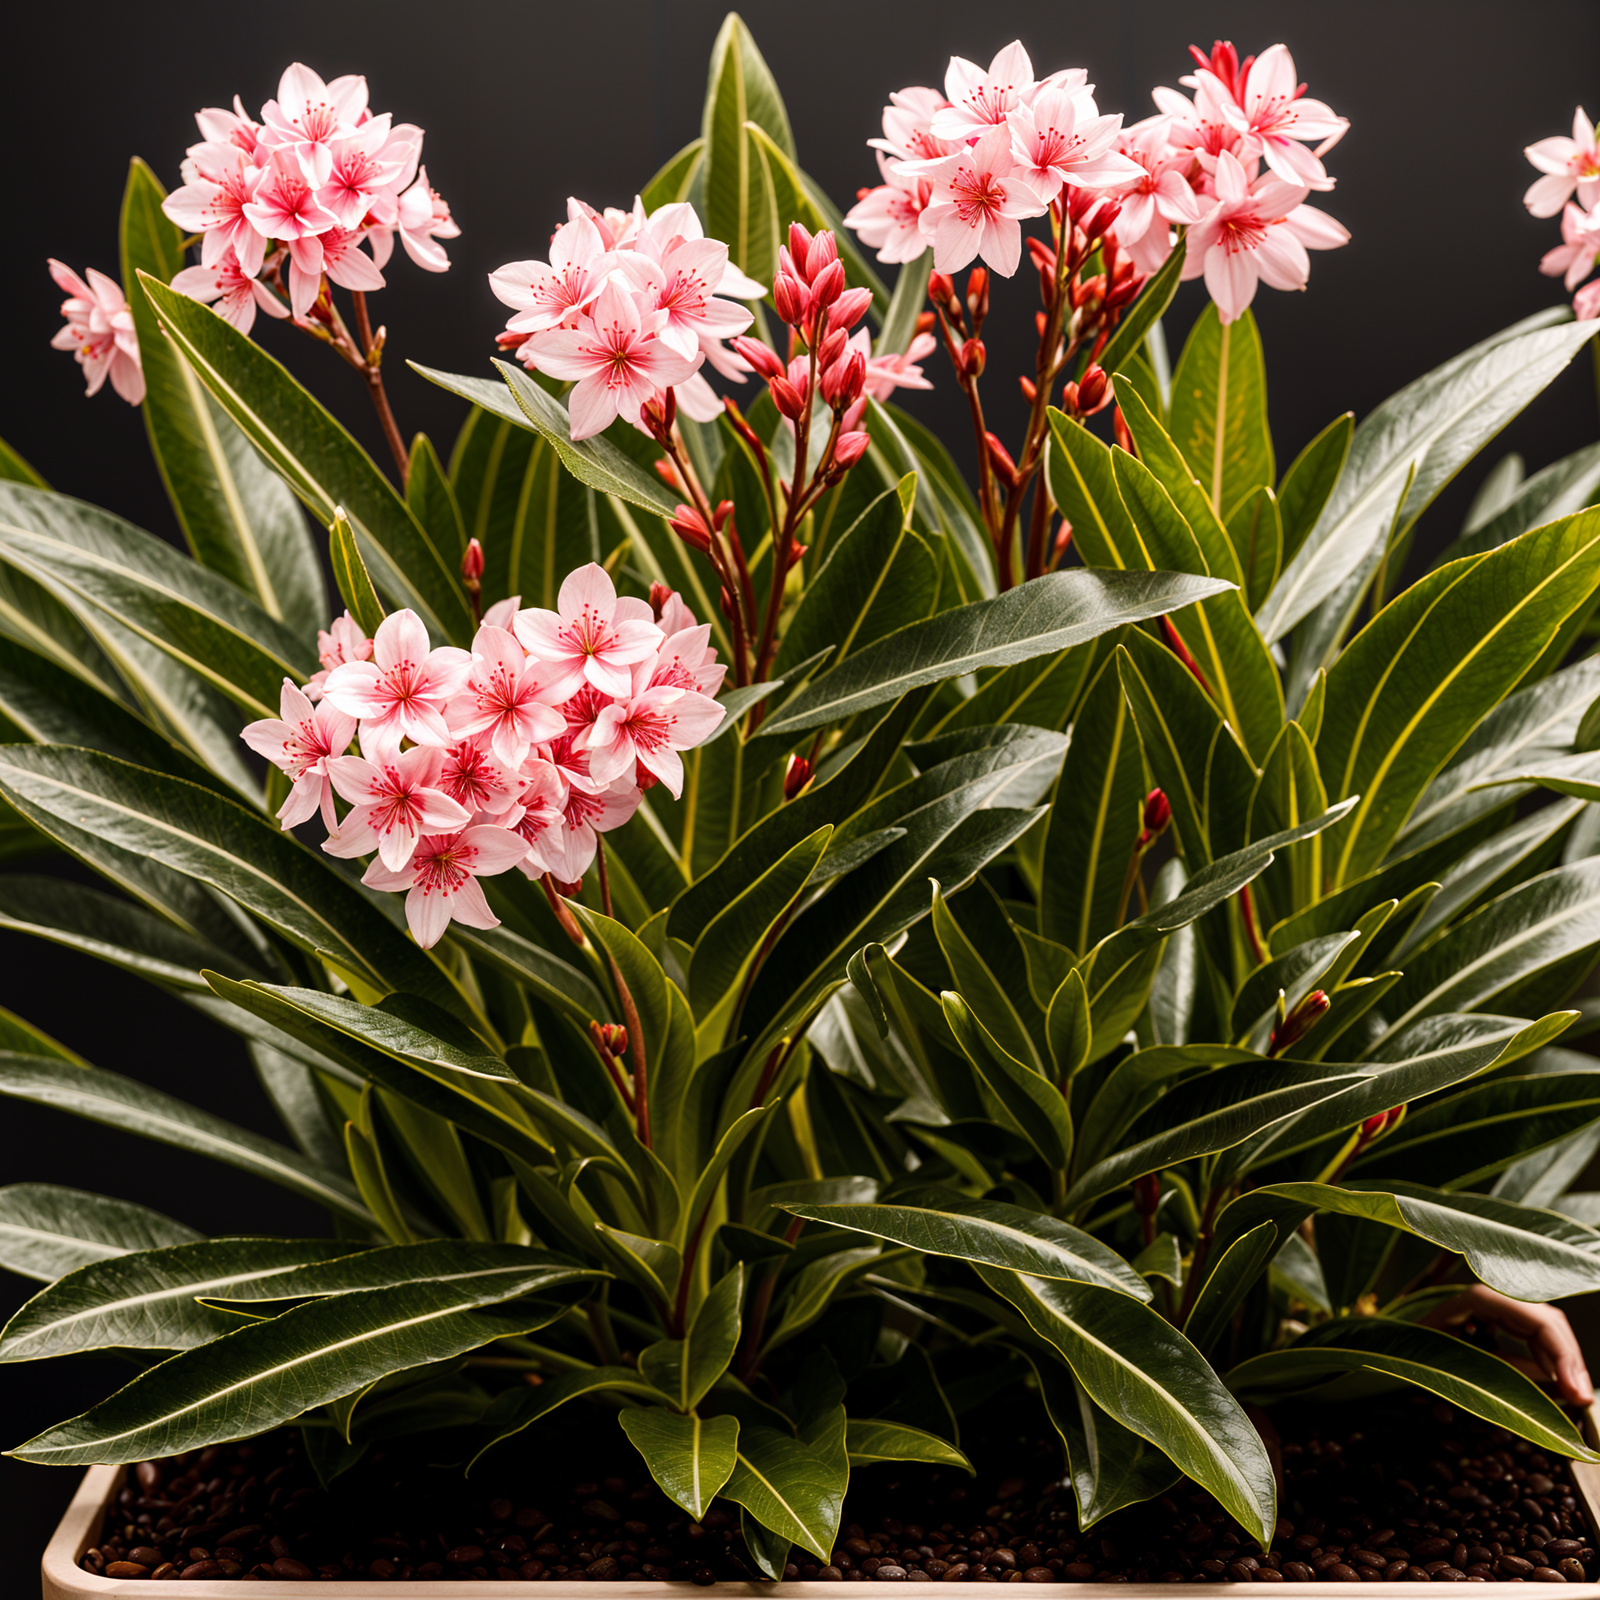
(1571, 167)
(516, 753)
(99, 331)
(298, 194)
(630, 305)
(964, 169)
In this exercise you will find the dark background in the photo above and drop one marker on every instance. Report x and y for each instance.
(525, 104)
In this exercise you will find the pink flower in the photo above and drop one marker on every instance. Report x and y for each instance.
(364, 163)
(979, 100)
(342, 641)
(1158, 197)
(213, 205)
(679, 282)
(593, 636)
(309, 115)
(540, 815)
(393, 800)
(545, 294)
(237, 297)
(403, 691)
(423, 218)
(570, 851)
(1271, 113)
(650, 729)
(1255, 233)
(887, 373)
(1568, 164)
(219, 127)
(504, 697)
(442, 879)
(1586, 302)
(978, 197)
(301, 744)
(99, 331)
(617, 359)
(475, 779)
(340, 258)
(908, 126)
(1199, 127)
(887, 217)
(685, 660)
(1061, 139)
(1574, 257)
(285, 206)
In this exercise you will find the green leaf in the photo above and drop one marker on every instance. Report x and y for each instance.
(1407, 451)
(986, 1232)
(133, 1107)
(1456, 1371)
(1219, 409)
(1035, 1108)
(672, 184)
(13, 469)
(870, 1440)
(909, 300)
(597, 461)
(350, 576)
(47, 1231)
(1569, 486)
(685, 1369)
(1083, 485)
(1256, 530)
(269, 1372)
(519, 1407)
(1096, 816)
(240, 852)
(1512, 938)
(319, 461)
(789, 1487)
(433, 501)
(1147, 1376)
(879, 576)
(1235, 1269)
(1034, 619)
(236, 515)
(1144, 313)
(199, 619)
(1409, 689)
(739, 206)
(691, 1458)
(982, 988)
(1309, 483)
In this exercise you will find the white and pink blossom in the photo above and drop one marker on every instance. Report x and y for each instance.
(402, 691)
(1568, 165)
(300, 742)
(99, 331)
(592, 636)
(978, 200)
(235, 295)
(393, 801)
(441, 878)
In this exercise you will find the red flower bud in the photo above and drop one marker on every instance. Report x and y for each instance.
(791, 299)
(843, 382)
(799, 244)
(796, 555)
(849, 449)
(761, 357)
(849, 309)
(1155, 818)
(1297, 1024)
(828, 284)
(796, 776)
(1092, 391)
(1030, 390)
(788, 399)
(472, 563)
(925, 321)
(691, 527)
(821, 255)
(1063, 542)
(646, 779)
(567, 891)
(1124, 438)
(832, 347)
(611, 1037)
(1005, 469)
(942, 293)
(660, 593)
(972, 359)
(721, 513)
(1044, 258)
(668, 473)
(978, 294)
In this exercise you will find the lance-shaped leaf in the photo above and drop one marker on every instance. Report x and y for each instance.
(869, 1440)
(790, 1487)
(1034, 1107)
(236, 514)
(1137, 1367)
(1409, 689)
(1559, 490)
(47, 1231)
(240, 852)
(517, 1408)
(1407, 450)
(1309, 482)
(272, 1371)
(690, 1457)
(987, 1233)
(1034, 619)
(132, 1107)
(597, 461)
(350, 575)
(1236, 1267)
(1144, 313)
(13, 469)
(198, 618)
(685, 1369)
(1219, 408)
(319, 461)
(1456, 1371)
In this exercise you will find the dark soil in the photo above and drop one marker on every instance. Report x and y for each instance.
(1415, 1492)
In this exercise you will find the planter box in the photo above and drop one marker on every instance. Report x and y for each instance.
(64, 1579)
